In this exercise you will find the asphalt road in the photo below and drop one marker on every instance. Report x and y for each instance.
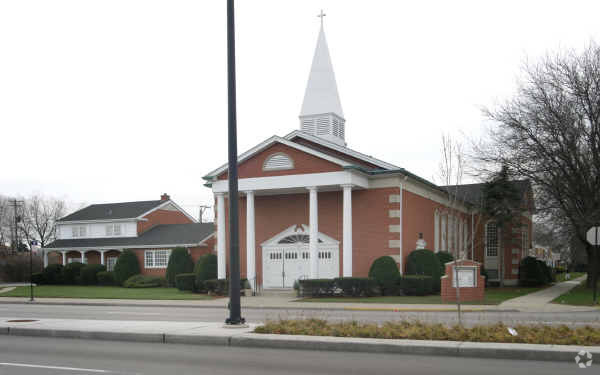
(33, 356)
(259, 315)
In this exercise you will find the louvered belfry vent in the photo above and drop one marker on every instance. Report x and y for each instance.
(277, 162)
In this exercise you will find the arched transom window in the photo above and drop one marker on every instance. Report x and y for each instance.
(296, 238)
(277, 162)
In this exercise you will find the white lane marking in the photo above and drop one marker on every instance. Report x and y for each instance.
(54, 367)
(131, 313)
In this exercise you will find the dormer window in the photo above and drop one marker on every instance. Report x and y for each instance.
(278, 162)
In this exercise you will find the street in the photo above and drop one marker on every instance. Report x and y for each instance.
(206, 314)
(33, 356)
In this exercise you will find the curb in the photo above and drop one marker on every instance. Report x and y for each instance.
(297, 342)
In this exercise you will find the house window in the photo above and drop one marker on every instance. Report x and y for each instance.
(491, 239)
(113, 230)
(110, 263)
(156, 258)
(117, 229)
(78, 231)
(109, 230)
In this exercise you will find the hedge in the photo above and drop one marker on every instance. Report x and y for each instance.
(53, 274)
(144, 281)
(416, 285)
(356, 286)
(127, 265)
(385, 271)
(219, 287)
(71, 273)
(317, 287)
(180, 261)
(38, 278)
(531, 272)
(89, 272)
(205, 269)
(106, 278)
(443, 257)
(185, 281)
(424, 262)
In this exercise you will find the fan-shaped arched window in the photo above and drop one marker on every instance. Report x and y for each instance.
(296, 238)
(277, 162)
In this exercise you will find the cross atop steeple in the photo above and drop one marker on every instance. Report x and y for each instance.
(321, 17)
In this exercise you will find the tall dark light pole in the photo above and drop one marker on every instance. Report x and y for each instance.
(235, 313)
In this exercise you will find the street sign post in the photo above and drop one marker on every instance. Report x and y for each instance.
(592, 236)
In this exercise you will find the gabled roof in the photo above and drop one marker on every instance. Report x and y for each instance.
(112, 211)
(160, 235)
(473, 193)
(321, 95)
(276, 139)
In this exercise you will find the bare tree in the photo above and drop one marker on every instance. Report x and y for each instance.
(39, 218)
(549, 132)
(4, 222)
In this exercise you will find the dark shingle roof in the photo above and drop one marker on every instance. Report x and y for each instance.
(109, 211)
(473, 193)
(164, 234)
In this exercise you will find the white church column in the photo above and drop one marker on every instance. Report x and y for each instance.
(82, 256)
(221, 263)
(250, 242)
(347, 229)
(314, 233)
(64, 256)
(102, 256)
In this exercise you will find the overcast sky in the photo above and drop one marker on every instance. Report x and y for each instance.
(109, 101)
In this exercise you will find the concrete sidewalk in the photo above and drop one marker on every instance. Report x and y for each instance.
(216, 334)
(542, 301)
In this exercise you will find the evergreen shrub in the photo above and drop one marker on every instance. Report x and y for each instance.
(71, 273)
(53, 274)
(205, 269)
(143, 281)
(385, 271)
(185, 281)
(106, 278)
(89, 273)
(180, 261)
(416, 285)
(127, 265)
(424, 262)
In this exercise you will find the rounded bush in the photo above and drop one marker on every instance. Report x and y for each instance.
(143, 281)
(205, 269)
(72, 273)
(106, 278)
(38, 278)
(127, 265)
(416, 285)
(443, 257)
(179, 262)
(185, 281)
(89, 272)
(385, 271)
(53, 274)
(531, 272)
(424, 262)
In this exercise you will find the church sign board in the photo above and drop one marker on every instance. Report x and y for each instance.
(470, 281)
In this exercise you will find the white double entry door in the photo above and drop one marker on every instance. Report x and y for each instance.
(286, 257)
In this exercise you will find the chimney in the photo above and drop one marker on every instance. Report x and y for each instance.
(165, 197)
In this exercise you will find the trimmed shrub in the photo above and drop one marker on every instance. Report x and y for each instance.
(185, 281)
(205, 269)
(72, 273)
(53, 274)
(89, 272)
(385, 271)
(143, 281)
(424, 262)
(531, 272)
(38, 278)
(106, 278)
(416, 285)
(443, 257)
(180, 261)
(317, 287)
(547, 271)
(356, 286)
(127, 265)
(217, 286)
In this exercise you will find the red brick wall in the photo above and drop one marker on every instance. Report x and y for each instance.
(448, 292)
(303, 163)
(162, 217)
(334, 153)
(195, 252)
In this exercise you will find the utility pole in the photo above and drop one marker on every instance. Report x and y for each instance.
(201, 213)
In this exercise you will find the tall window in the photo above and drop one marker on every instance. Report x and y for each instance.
(444, 232)
(436, 231)
(491, 239)
(524, 240)
(110, 263)
(156, 258)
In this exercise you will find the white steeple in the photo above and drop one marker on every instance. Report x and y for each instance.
(321, 113)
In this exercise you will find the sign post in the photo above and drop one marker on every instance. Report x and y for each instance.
(594, 240)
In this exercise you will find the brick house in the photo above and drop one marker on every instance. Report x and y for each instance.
(97, 234)
(311, 207)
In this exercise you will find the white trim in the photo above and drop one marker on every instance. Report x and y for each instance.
(168, 201)
(294, 181)
(120, 247)
(342, 149)
(293, 230)
(246, 155)
(96, 221)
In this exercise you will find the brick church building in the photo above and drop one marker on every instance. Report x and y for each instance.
(311, 207)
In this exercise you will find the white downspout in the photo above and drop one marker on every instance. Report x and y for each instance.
(401, 229)
(472, 236)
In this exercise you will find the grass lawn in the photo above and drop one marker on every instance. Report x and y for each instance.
(493, 296)
(578, 296)
(109, 292)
